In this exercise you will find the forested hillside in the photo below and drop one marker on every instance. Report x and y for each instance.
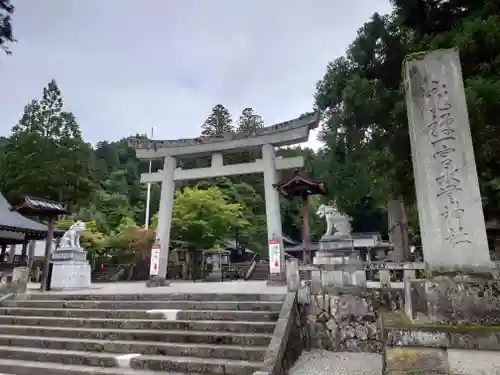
(365, 158)
(46, 156)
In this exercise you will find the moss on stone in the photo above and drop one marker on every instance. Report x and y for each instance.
(494, 327)
(395, 317)
(456, 276)
(398, 319)
(415, 361)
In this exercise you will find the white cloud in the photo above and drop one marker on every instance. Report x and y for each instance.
(123, 67)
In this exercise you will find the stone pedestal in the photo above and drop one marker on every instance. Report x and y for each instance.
(216, 274)
(71, 270)
(155, 281)
(339, 249)
(456, 298)
(20, 277)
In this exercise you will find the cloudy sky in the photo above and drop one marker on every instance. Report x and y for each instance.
(124, 66)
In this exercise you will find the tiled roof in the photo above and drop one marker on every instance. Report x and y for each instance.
(12, 220)
(44, 204)
(39, 206)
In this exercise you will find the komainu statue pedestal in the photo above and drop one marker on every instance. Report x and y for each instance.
(340, 250)
(70, 267)
(70, 270)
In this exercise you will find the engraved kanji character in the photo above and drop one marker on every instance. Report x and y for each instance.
(445, 213)
(446, 163)
(432, 88)
(442, 146)
(445, 123)
(457, 236)
(448, 182)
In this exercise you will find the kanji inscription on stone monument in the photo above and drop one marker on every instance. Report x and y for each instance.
(449, 201)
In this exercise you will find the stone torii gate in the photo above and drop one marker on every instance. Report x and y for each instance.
(264, 139)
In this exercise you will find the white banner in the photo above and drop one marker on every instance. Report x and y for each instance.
(154, 264)
(274, 256)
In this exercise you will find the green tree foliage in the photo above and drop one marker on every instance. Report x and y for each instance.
(358, 95)
(204, 217)
(474, 28)
(135, 242)
(367, 151)
(218, 122)
(249, 121)
(46, 145)
(252, 206)
(6, 36)
(293, 218)
(46, 155)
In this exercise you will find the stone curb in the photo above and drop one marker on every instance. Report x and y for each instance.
(276, 349)
(6, 297)
(476, 338)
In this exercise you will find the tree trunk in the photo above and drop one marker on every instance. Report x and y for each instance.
(398, 230)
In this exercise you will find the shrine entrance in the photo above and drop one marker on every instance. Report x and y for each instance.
(264, 139)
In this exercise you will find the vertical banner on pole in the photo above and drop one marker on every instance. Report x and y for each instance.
(154, 264)
(274, 255)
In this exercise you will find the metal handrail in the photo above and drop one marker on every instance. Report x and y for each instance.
(251, 267)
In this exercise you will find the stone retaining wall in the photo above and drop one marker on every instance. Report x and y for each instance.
(348, 319)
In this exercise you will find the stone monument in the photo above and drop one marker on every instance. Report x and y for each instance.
(338, 247)
(70, 266)
(461, 285)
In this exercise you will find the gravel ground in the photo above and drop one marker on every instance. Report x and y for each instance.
(322, 362)
(470, 362)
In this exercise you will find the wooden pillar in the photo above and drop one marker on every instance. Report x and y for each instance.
(46, 258)
(31, 254)
(12, 253)
(2, 253)
(306, 243)
(398, 229)
(24, 252)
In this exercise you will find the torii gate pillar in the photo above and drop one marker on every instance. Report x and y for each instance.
(273, 210)
(165, 220)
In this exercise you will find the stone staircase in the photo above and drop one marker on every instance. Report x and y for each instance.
(103, 275)
(110, 273)
(260, 272)
(142, 334)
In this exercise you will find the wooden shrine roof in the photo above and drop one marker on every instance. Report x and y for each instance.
(300, 185)
(14, 222)
(39, 207)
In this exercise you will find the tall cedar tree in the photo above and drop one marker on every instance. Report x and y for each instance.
(218, 122)
(249, 121)
(46, 155)
(6, 36)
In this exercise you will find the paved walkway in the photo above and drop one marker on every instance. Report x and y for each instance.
(233, 287)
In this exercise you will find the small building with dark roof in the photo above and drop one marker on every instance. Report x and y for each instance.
(17, 229)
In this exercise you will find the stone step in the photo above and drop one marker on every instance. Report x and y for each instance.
(206, 337)
(153, 296)
(22, 367)
(149, 305)
(196, 325)
(228, 315)
(248, 353)
(143, 362)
